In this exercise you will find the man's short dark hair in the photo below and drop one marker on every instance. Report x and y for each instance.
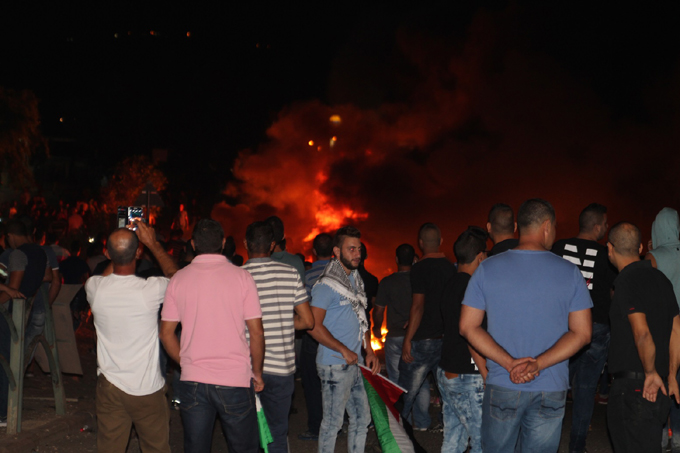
(345, 232)
(259, 237)
(364, 252)
(469, 244)
(17, 228)
(125, 253)
(277, 228)
(405, 254)
(502, 219)
(430, 234)
(323, 244)
(74, 249)
(533, 213)
(592, 215)
(626, 239)
(208, 235)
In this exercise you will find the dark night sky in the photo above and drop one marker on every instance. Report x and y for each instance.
(585, 98)
(216, 92)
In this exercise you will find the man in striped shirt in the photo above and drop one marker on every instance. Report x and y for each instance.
(285, 308)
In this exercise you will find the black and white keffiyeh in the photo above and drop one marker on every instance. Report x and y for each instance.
(335, 277)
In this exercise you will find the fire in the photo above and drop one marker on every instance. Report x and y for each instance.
(329, 218)
(377, 343)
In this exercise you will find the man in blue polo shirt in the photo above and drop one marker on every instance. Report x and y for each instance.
(538, 312)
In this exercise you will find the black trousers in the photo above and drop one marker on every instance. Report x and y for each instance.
(311, 383)
(634, 423)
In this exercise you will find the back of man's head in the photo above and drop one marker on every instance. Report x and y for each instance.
(74, 249)
(208, 236)
(592, 215)
(323, 245)
(626, 239)
(533, 213)
(259, 237)
(502, 219)
(405, 255)
(430, 236)
(122, 246)
(276, 225)
(345, 232)
(17, 228)
(469, 244)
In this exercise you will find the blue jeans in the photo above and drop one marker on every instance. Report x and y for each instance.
(586, 369)
(530, 421)
(35, 325)
(276, 399)
(421, 414)
(426, 355)
(462, 403)
(342, 388)
(235, 407)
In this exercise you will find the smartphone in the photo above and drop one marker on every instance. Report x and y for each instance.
(128, 214)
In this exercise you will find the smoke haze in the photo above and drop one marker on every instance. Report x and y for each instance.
(460, 123)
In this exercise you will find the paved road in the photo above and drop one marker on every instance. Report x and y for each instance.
(38, 412)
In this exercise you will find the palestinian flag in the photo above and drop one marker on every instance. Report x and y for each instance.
(265, 435)
(382, 395)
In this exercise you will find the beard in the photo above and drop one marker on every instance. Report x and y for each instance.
(347, 262)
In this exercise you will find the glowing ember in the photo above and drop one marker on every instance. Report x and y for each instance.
(335, 119)
(311, 143)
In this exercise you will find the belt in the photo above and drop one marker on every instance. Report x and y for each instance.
(629, 375)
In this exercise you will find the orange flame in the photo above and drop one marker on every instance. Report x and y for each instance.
(329, 218)
(377, 343)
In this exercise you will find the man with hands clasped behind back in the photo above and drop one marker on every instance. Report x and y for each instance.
(538, 311)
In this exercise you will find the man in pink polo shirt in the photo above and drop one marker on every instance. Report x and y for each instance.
(215, 301)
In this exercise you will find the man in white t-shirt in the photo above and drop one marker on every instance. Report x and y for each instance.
(130, 386)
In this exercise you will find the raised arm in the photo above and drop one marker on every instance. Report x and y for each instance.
(147, 236)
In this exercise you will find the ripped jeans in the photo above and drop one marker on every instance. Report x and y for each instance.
(342, 388)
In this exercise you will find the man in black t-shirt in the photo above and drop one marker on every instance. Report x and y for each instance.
(422, 346)
(394, 298)
(501, 227)
(645, 332)
(462, 370)
(585, 368)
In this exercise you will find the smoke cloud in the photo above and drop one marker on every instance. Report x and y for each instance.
(486, 120)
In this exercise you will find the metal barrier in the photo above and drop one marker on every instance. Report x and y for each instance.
(19, 357)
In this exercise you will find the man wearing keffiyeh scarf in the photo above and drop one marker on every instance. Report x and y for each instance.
(341, 328)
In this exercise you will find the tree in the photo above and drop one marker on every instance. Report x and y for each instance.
(128, 180)
(20, 135)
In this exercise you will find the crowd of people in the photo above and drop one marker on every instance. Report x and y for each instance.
(503, 333)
